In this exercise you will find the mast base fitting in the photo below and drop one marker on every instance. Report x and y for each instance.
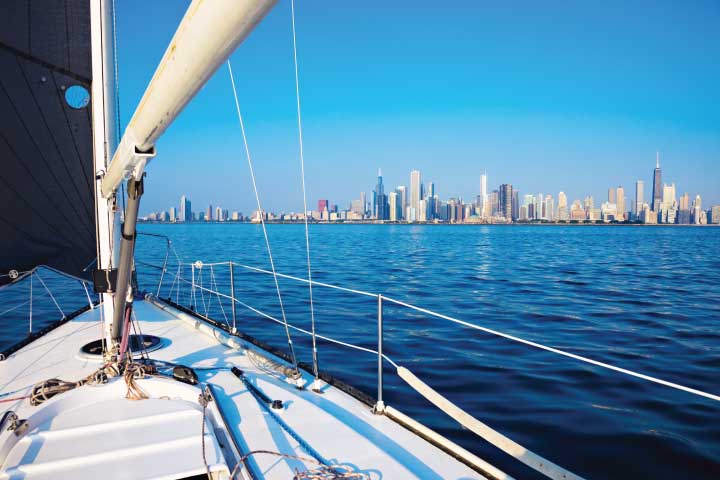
(379, 408)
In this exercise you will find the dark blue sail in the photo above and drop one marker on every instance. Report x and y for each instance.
(46, 164)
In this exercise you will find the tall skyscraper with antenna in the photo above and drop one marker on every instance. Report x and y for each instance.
(657, 192)
(483, 195)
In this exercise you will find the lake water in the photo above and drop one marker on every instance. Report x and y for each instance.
(646, 299)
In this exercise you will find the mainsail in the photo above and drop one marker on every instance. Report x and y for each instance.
(46, 162)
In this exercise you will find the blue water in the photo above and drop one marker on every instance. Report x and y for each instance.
(647, 299)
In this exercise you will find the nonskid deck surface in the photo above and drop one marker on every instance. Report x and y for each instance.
(336, 426)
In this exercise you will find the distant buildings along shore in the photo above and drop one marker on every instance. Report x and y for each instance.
(422, 204)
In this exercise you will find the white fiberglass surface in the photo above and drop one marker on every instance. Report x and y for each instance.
(335, 426)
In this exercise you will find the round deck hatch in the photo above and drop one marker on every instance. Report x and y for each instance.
(137, 343)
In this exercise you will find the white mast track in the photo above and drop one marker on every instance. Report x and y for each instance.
(103, 128)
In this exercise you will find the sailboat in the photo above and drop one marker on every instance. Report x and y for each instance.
(132, 387)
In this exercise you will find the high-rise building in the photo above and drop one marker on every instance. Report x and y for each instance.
(185, 209)
(219, 214)
(209, 213)
(394, 206)
(422, 211)
(563, 214)
(415, 193)
(577, 212)
(549, 208)
(483, 204)
(714, 215)
(515, 206)
(612, 195)
(493, 203)
(415, 189)
(172, 214)
(668, 206)
(402, 200)
(696, 210)
(380, 202)
(356, 207)
(323, 205)
(363, 200)
(639, 198)
(657, 185)
(620, 201)
(505, 199)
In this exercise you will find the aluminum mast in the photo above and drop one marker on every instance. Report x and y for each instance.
(207, 35)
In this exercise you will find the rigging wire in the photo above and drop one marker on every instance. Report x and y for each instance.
(50, 293)
(262, 218)
(118, 127)
(305, 207)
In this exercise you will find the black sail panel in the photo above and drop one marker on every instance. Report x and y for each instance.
(46, 164)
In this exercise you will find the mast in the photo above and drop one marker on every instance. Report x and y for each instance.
(207, 35)
(104, 141)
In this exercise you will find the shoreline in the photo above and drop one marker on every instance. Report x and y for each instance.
(439, 224)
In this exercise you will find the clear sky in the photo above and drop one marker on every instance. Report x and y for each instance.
(568, 95)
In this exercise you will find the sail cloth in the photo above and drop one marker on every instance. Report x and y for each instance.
(46, 166)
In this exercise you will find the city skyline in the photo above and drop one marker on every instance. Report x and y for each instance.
(536, 95)
(501, 205)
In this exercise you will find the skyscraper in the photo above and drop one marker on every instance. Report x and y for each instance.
(515, 206)
(549, 208)
(612, 195)
(415, 194)
(639, 198)
(505, 196)
(185, 209)
(563, 213)
(394, 206)
(620, 203)
(380, 203)
(322, 205)
(363, 200)
(657, 185)
(402, 200)
(484, 213)
(209, 213)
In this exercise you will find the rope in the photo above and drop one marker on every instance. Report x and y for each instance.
(15, 399)
(262, 217)
(204, 399)
(134, 371)
(49, 388)
(302, 174)
(321, 472)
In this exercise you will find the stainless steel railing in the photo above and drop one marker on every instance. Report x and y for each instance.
(544, 466)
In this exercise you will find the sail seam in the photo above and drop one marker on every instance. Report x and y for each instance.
(54, 140)
(80, 78)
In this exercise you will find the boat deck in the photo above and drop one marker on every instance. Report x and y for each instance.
(335, 426)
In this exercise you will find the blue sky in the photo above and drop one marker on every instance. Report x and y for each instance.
(574, 96)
